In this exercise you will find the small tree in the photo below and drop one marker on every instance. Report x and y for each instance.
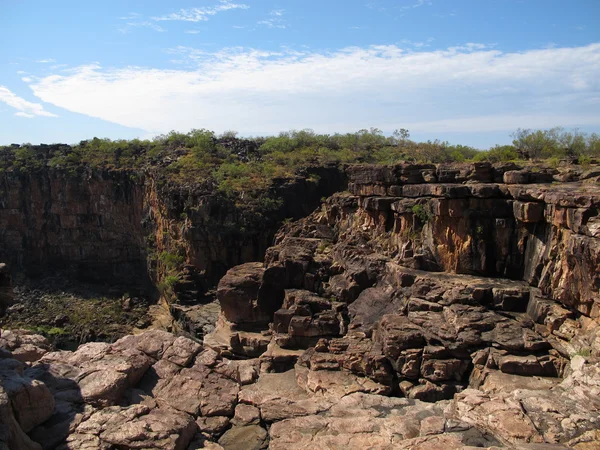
(402, 135)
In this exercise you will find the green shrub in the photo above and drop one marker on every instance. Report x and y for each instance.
(422, 212)
(171, 260)
(171, 280)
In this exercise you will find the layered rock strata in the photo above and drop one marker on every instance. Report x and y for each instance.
(429, 307)
(425, 281)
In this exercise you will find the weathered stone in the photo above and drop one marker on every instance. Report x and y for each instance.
(134, 427)
(182, 351)
(11, 434)
(278, 397)
(31, 400)
(214, 425)
(516, 177)
(248, 437)
(153, 343)
(528, 212)
(238, 293)
(24, 345)
(246, 415)
(199, 391)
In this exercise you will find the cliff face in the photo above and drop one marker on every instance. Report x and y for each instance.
(214, 234)
(424, 279)
(140, 234)
(87, 224)
(488, 221)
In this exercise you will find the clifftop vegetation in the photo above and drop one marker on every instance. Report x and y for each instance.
(238, 166)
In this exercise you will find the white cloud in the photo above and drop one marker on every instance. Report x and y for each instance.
(24, 107)
(45, 61)
(201, 14)
(192, 31)
(469, 88)
(275, 20)
(24, 114)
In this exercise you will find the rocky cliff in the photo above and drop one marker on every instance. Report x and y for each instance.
(138, 232)
(429, 306)
(86, 223)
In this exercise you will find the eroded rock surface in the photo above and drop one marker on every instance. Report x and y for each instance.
(430, 307)
(422, 281)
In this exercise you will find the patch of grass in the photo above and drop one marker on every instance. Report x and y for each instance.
(585, 352)
(423, 213)
(100, 318)
(323, 246)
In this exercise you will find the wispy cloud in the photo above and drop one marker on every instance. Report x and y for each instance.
(131, 16)
(130, 26)
(469, 88)
(201, 14)
(24, 108)
(422, 3)
(192, 31)
(421, 44)
(45, 61)
(275, 19)
(418, 4)
(379, 6)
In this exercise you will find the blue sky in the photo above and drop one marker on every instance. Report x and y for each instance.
(467, 71)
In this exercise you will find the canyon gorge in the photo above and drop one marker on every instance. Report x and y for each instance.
(417, 306)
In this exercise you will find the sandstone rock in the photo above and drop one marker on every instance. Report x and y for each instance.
(242, 371)
(24, 345)
(528, 212)
(11, 434)
(104, 372)
(248, 437)
(199, 391)
(336, 384)
(516, 177)
(134, 427)
(526, 365)
(504, 419)
(182, 351)
(153, 343)
(31, 400)
(246, 415)
(214, 425)
(238, 294)
(369, 421)
(278, 397)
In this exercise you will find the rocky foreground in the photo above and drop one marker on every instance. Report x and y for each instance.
(429, 307)
(158, 391)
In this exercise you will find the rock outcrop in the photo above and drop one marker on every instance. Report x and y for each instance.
(429, 307)
(159, 391)
(426, 282)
